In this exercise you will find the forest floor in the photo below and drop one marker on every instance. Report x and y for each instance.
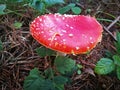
(19, 55)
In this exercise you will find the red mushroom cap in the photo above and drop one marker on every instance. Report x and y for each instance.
(70, 34)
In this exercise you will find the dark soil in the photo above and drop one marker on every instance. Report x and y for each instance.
(19, 55)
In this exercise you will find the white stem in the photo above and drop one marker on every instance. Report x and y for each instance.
(61, 54)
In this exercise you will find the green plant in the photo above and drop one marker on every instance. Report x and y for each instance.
(107, 65)
(11, 6)
(72, 6)
(17, 25)
(1, 45)
(42, 5)
(2, 8)
(53, 78)
(42, 52)
(106, 19)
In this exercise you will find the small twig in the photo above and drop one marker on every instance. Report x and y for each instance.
(117, 19)
(109, 33)
(80, 5)
(107, 28)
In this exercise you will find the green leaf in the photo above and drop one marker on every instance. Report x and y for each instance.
(33, 3)
(42, 52)
(60, 80)
(118, 72)
(66, 8)
(76, 10)
(117, 44)
(89, 10)
(1, 46)
(13, 1)
(16, 1)
(79, 72)
(118, 37)
(36, 82)
(38, 5)
(2, 8)
(18, 25)
(53, 2)
(59, 87)
(73, 70)
(79, 66)
(19, 0)
(35, 71)
(104, 66)
(64, 64)
(33, 81)
(49, 73)
(108, 54)
(47, 85)
(116, 59)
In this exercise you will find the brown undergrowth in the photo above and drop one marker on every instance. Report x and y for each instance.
(19, 56)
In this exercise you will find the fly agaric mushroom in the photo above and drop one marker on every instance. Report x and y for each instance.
(69, 34)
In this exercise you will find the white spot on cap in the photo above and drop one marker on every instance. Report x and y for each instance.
(61, 34)
(46, 16)
(55, 15)
(72, 51)
(49, 39)
(64, 31)
(71, 35)
(67, 25)
(77, 48)
(40, 19)
(57, 19)
(88, 47)
(42, 31)
(55, 38)
(44, 21)
(64, 40)
(37, 23)
(91, 42)
(90, 38)
(50, 44)
(71, 27)
(59, 14)
(63, 18)
(69, 15)
(33, 21)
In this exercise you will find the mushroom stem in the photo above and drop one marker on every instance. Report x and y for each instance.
(61, 54)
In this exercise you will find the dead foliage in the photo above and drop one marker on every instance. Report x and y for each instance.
(19, 55)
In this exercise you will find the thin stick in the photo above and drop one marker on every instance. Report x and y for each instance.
(109, 33)
(80, 5)
(117, 19)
